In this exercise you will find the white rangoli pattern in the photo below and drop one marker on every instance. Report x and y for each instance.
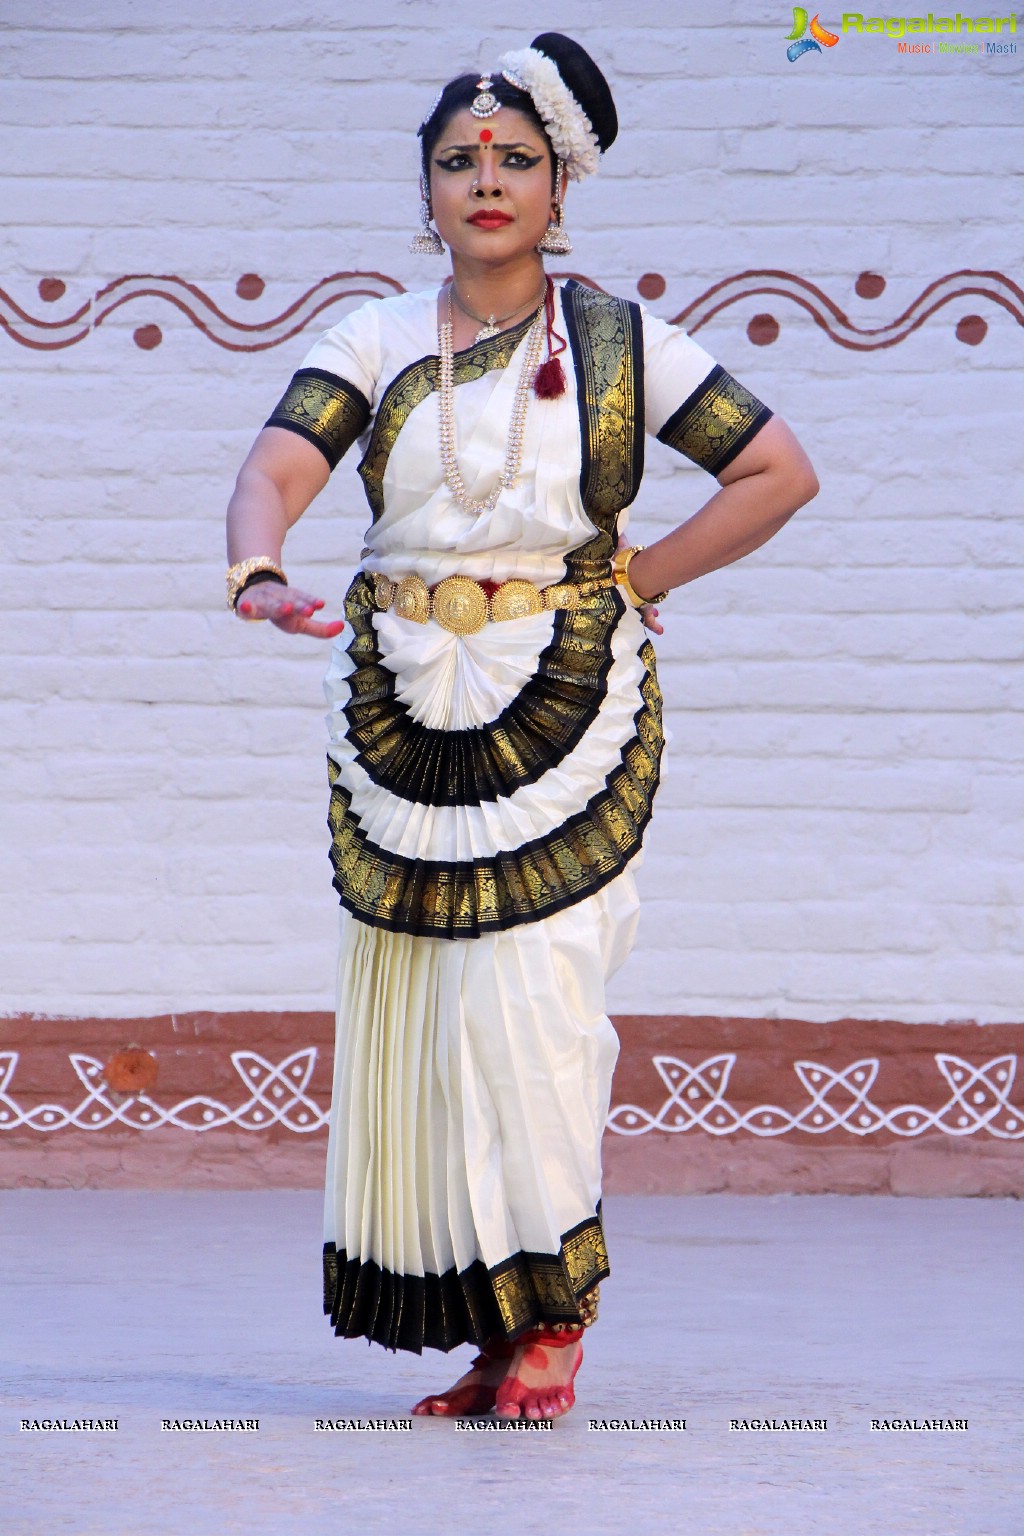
(277, 1096)
(839, 1101)
(978, 1101)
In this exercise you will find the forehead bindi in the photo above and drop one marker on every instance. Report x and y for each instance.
(505, 130)
(488, 142)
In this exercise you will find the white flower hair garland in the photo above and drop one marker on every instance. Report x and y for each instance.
(568, 126)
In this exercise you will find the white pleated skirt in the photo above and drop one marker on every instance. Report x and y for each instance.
(471, 1089)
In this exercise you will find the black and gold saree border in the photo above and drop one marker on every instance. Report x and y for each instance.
(715, 422)
(463, 899)
(546, 720)
(606, 337)
(417, 1312)
(411, 387)
(326, 410)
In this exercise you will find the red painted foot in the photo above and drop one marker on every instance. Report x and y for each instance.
(471, 1397)
(540, 1383)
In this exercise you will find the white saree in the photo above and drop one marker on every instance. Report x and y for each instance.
(489, 798)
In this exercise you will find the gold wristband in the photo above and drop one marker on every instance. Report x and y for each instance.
(620, 574)
(240, 573)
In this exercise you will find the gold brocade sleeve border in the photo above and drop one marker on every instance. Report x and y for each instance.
(412, 386)
(714, 423)
(326, 410)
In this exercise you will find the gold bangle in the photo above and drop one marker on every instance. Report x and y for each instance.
(239, 574)
(620, 575)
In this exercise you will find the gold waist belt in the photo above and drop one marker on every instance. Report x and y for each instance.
(463, 606)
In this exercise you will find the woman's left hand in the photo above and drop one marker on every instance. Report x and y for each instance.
(648, 613)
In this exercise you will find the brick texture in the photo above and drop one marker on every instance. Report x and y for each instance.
(755, 1106)
(839, 833)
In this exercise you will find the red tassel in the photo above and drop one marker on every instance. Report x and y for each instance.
(549, 380)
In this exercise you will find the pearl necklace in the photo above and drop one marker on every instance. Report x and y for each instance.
(514, 451)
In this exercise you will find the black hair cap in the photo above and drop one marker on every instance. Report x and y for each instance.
(585, 80)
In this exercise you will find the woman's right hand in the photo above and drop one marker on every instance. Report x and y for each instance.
(288, 608)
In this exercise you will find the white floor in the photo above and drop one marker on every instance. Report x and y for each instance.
(150, 1306)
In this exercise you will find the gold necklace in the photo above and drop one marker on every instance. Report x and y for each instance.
(446, 415)
(492, 325)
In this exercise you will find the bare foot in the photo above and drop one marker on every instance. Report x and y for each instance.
(475, 1392)
(539, 1383)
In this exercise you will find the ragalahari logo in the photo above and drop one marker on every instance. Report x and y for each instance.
(798, 44)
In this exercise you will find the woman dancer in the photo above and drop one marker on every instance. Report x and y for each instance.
(495, 725)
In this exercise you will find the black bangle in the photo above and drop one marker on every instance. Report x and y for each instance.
(254, 579)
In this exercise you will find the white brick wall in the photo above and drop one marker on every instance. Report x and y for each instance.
(839, 832)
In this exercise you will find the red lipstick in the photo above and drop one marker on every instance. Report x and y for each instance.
(490, 218)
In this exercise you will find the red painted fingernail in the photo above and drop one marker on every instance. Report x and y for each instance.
(245, 607)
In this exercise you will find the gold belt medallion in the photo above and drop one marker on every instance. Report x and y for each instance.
(460, 605)
(412, 599)
(516, 600)
(563, 595)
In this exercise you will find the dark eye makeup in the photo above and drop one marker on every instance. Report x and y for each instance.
(515, 159)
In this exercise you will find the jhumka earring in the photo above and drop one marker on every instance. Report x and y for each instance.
(555, 241)
(427, 242)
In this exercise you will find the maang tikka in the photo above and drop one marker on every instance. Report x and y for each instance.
(486, 103)
(555, 241)
(427, 241)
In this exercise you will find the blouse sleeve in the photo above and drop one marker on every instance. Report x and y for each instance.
(692, 403)
(328, 401)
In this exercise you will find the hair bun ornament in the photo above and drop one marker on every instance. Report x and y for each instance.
(585, 81)
(571, 96)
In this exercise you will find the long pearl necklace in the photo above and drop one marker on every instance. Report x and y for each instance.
(514, 450)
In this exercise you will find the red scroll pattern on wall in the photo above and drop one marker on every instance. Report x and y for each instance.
(147, 293)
